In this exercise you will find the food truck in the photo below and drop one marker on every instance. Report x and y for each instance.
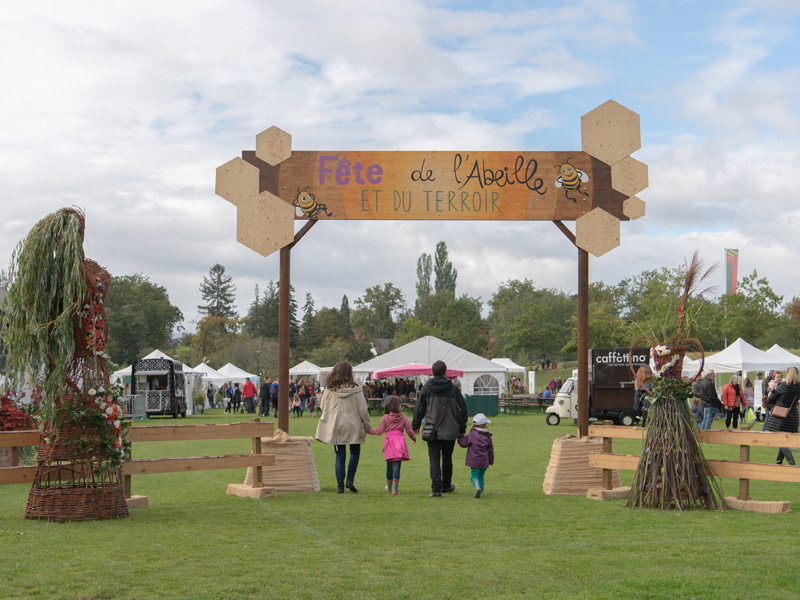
(161, 382)
(611, 387)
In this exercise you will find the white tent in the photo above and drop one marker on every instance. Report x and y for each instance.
(740, 356)
(210, 375)
(514, 369)
(234, 374)
(788, 359)
(480, 374)
(303, 369)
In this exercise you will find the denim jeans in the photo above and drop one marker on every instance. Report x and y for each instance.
(441, 469)
(355, 454)
(393, 469)
(709, 412)
(264, 408)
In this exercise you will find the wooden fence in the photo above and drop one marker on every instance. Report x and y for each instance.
(165, 433)
(743, 469)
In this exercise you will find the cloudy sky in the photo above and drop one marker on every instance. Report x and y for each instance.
(126, 110)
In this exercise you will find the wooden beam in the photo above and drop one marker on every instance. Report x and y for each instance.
(19, 438)
(767, 439)
(565, 230)
(299, 235)
(583, 343)
(17, 475)
(227, 431)
(721, 468)
(283, 338)
(258, 480)
(198, 463)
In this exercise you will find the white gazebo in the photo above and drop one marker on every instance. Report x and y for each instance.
(304, 369)
(234, 374)
(741, 356)
(787, 358)
(481, 375)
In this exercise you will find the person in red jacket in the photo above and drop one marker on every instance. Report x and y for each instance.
(249, 393)
(734, 402)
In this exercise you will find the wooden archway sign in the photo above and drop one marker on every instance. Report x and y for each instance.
(272, 187)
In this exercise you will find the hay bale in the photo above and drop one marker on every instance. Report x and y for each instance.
(569, 472)
(294, 470)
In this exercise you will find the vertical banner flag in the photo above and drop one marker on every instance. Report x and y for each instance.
(732, 263)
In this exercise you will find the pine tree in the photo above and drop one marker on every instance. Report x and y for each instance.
(446, 275)
(424, 272)
(310, 332)
(218, 293)
(344, 313)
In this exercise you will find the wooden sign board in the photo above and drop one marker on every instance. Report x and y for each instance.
(442, 185)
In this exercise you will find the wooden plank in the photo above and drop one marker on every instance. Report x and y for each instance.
(237, 181)
(611, 132)
(19, 438)
(197, 463)
(744, 484)
(17, 475)
(722, 468)
(629, 176)
(618, 431)
(770, 439)
(222, 431)
(273, 146)
(565, 231)
(264, 223)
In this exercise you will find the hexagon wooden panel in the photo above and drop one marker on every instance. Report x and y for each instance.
(610, 132)
(265, 223)
(633, 208)
(597, 232)
(629, 176)
(237, 181)
(273, 146)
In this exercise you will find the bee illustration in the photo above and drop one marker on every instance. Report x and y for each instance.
(571, 179)
(308, 206)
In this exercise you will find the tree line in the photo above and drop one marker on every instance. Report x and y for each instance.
(525, 322)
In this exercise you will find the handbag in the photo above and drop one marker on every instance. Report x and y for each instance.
(783, 411)
(429, 430)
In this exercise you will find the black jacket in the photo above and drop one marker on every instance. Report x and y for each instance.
(708, 394)
(264, 391)
(439, 393)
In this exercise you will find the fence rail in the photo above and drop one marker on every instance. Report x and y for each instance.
(165, 433)
(743, 469)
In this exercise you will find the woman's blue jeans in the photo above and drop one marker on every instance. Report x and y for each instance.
(355, 454)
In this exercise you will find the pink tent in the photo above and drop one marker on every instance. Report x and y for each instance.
(413, 369)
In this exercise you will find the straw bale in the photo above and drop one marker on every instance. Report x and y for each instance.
(294, 471)
(569, 472)
(246, 491)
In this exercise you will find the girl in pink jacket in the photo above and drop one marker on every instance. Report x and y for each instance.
(393, 424)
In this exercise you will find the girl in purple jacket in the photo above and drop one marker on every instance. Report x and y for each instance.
(480, 450)
(393, 424)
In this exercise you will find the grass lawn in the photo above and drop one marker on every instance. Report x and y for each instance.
(197, 542)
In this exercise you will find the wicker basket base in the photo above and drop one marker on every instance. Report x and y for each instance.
(65, 503)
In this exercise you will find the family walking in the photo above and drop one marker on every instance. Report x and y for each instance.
(344, 423)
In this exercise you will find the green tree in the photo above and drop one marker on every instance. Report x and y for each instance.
(424, 273)
(533, 333)
(139, 316)
(443, 269)
(460, 323)
(375, 311)
(345, 313)
(414, 328)
(753, 312)
(218, 292)
(310, 337)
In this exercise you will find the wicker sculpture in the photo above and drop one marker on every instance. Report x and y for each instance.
(56, 331)
(672, 471)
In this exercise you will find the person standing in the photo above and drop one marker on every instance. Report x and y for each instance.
(710, 400)
(440, 403)
(211, 394)
(273, 397)
(229, 398)
(480, 451)
(344, 422)
(734, 401)
(302, 391)
(785, 394)
(237, 397)
(249, 393)
(263, 396)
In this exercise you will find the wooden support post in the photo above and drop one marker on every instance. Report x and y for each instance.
(583, 343)
(744, 484)
(608, 448)
(127, 478)
(258, 480)
(283, 339)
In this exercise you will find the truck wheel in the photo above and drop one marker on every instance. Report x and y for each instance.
(627, 418)
(552, 419)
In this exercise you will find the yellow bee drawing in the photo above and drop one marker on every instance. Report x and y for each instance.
(308, 206)
(570, 179)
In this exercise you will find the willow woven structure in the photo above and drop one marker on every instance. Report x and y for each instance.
(78, 473)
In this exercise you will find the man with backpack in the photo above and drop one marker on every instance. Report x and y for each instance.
(442, 406)
(273, 397)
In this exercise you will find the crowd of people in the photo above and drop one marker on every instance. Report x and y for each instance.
(303, 394)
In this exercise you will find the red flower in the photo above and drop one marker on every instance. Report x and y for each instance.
(680, 309)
